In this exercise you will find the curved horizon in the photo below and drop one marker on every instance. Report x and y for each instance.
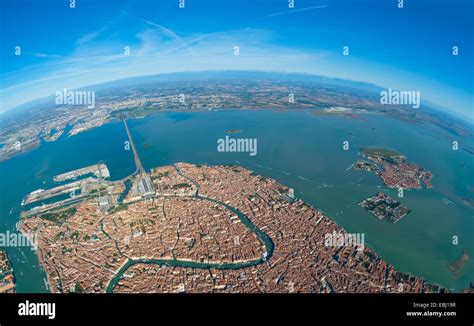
(92, 54)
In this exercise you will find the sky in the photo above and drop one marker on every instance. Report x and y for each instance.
(407, 48)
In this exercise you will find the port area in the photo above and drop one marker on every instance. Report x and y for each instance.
(90, 182)
(62, 196)
(99, 170)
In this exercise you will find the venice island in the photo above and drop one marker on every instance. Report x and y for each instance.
(195, 228)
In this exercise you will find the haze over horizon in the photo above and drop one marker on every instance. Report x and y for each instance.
(271, 38)
(295, 147)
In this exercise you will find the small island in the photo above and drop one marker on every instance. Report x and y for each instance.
(393, 168)
(456, 266)
(384, 207)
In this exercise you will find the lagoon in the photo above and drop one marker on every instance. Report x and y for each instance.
(297, 148)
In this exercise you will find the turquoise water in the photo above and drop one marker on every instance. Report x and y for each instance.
(299, 149)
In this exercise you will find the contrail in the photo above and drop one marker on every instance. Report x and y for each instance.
(168, 32)
(297, 10)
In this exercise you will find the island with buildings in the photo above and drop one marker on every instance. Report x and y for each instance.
(393, 168)
(7, 277)
(384, 207)
(196, 228)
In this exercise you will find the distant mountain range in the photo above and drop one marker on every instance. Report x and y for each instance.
(370, 90)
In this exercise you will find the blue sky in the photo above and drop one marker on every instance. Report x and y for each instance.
(407, 48)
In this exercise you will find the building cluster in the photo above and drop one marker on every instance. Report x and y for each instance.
(47, 120)
(7, 278)
(399, 174)
(404, 175)
(188, 220)
(384, 207)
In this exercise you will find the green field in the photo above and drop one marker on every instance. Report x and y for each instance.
(383, 153)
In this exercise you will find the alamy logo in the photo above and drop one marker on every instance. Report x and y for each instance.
(75, 98)
(338, 239)
(394, 97)
(13, 239)
(237, 145)
(37, 309)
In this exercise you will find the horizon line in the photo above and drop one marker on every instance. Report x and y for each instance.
(431, 104)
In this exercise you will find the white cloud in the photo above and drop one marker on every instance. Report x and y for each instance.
(86, 38)
(292, 11)
(157, 49)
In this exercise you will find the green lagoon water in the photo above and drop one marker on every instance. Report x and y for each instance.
(297, 148)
